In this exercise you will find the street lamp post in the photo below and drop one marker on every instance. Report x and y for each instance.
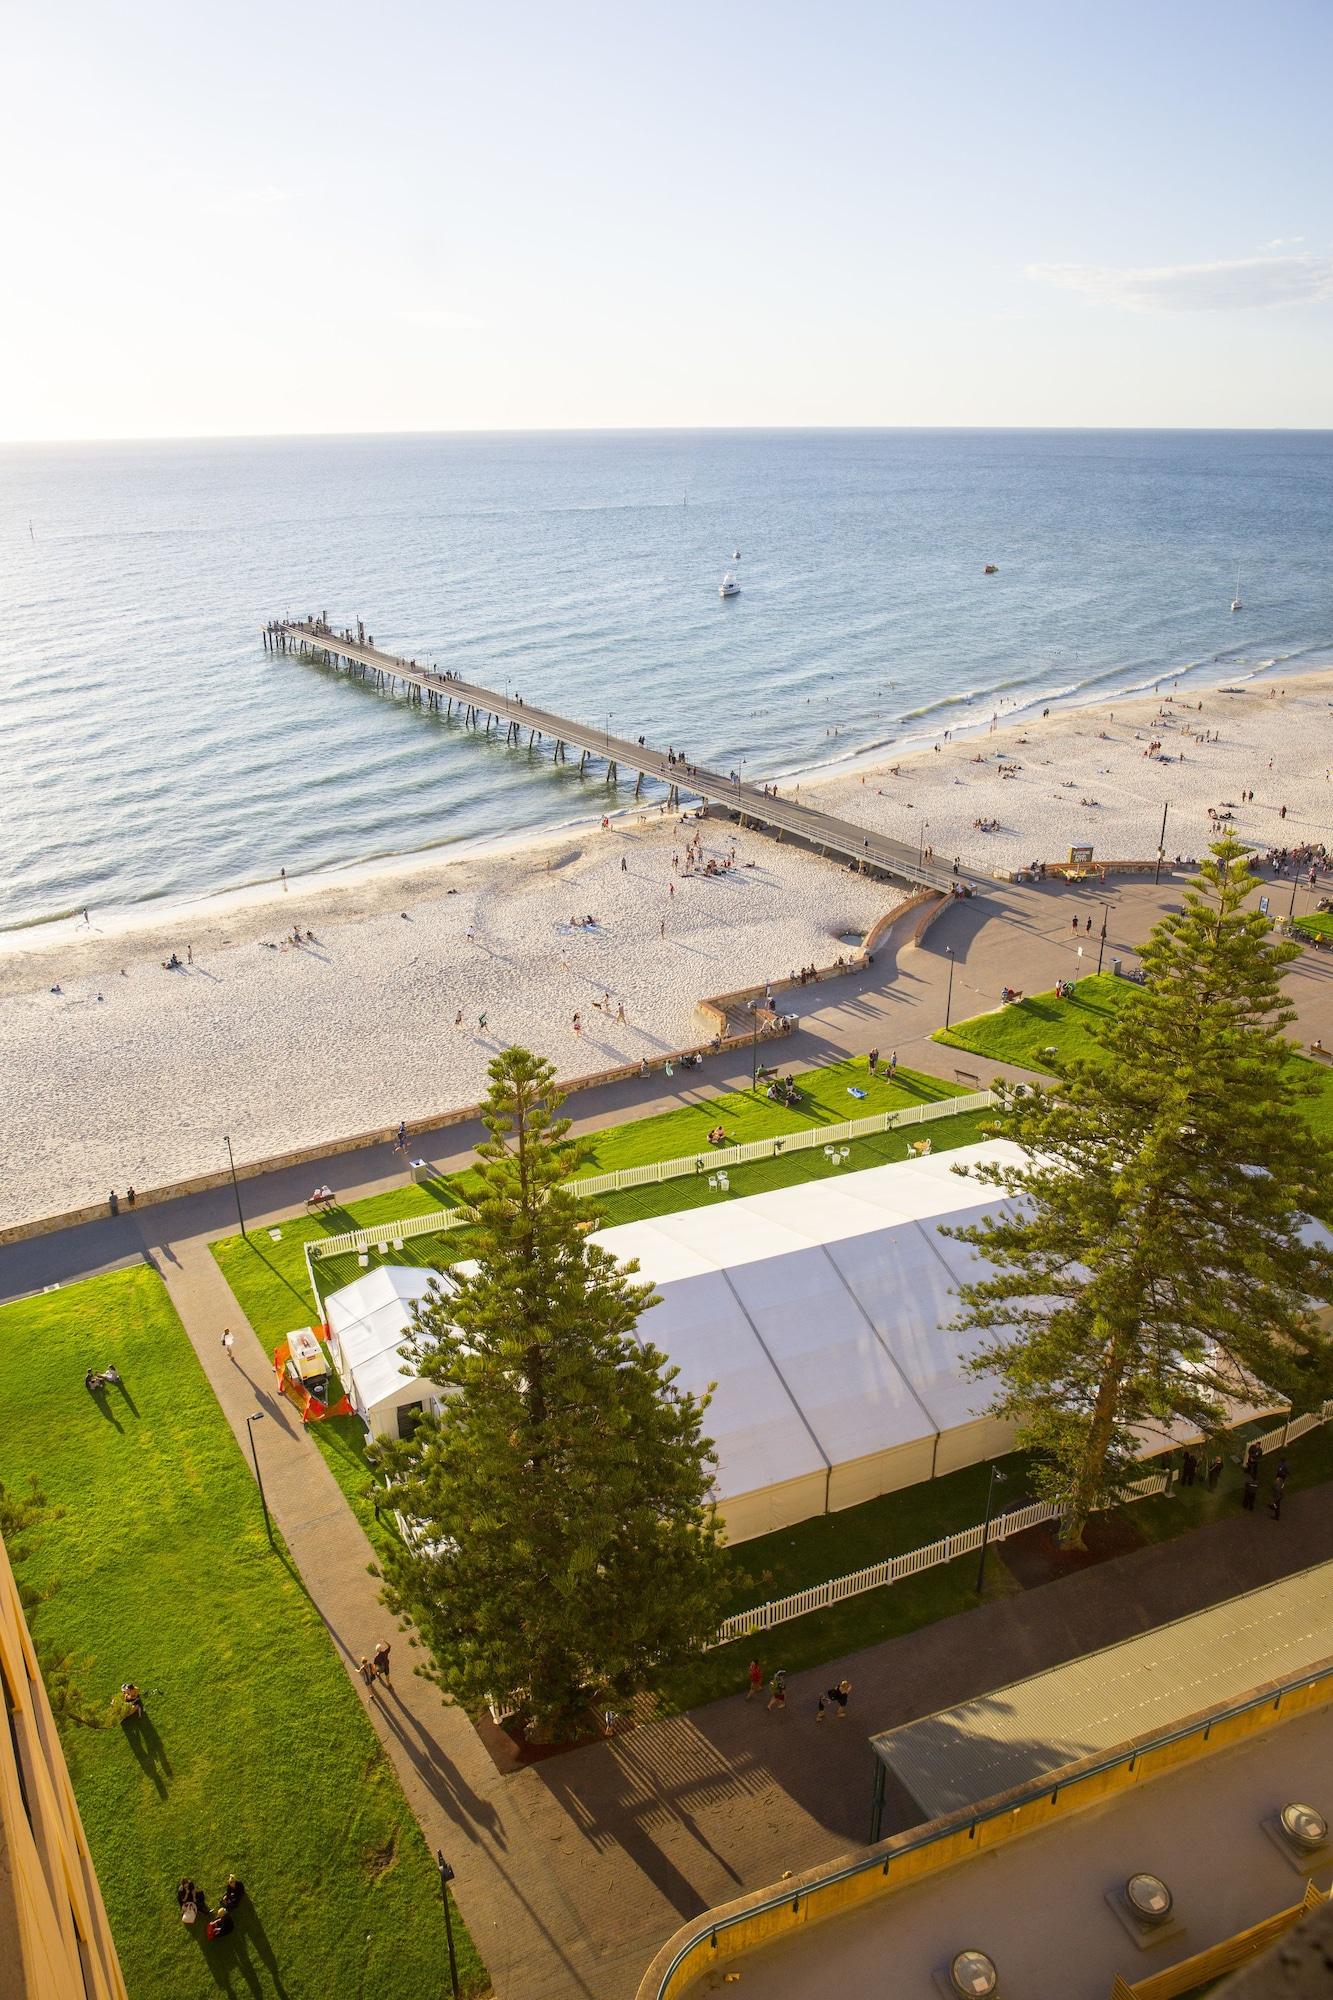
(250, 1423)
(235, 1186)
(921, 855)
(1161, 850)
(996, 1479)
(754, 1044)
(948, 998)
(446, 1877)
(1101, 946)
(1295, 885)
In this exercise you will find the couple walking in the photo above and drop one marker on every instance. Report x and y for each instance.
(376, 1668)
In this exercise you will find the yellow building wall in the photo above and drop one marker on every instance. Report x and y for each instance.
(55, 1941)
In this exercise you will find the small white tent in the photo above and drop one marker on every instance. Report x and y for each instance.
(369, 1322)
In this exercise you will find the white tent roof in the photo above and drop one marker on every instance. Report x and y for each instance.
(370, 1320)
(821, 1311)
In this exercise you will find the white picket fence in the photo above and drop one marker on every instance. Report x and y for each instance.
(745, 1624)
(391, 1235)
(1297, 1427)
(385, 1236)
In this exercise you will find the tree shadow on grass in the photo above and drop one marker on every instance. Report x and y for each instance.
(150, 1751)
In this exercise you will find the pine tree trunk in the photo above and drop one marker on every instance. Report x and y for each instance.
(1088, 1478)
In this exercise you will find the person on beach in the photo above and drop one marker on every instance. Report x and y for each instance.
(458, 1018)
(481, 1023)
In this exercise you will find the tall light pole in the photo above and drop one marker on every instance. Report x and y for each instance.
(1101, 946)
(996, 1479)
(1161, 850)
(1295, 885)
(446, 1877)
(250, 1423)
(235, 1187)
(948, 998)
(753, 1006)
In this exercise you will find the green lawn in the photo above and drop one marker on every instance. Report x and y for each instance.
(1319, 924)
(1026, 1032)
(255, 1754)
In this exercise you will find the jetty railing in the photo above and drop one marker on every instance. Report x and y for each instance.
(860, 846)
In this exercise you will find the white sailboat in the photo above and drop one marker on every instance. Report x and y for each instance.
(1236, 604)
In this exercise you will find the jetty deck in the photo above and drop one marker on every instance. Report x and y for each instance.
(513, 719)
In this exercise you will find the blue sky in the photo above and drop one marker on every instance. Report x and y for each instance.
(295, 218)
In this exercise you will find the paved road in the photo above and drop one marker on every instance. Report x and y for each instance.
(572, 1874)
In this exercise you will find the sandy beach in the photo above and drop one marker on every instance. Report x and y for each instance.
(130, 1074)
(1084, 776)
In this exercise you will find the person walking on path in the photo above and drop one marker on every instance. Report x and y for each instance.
(380, 1660)
(755, 1679)
(1250, 1492)
(1189, 1467)
(229, 1344)
(1253, 1458)
(367, 1671)
(1279, 1488)
(836, 1698)
(1214, 1473)
(778, 1695)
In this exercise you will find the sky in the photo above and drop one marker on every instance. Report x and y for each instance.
(291, 218)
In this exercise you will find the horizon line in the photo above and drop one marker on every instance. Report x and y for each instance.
(665, 430)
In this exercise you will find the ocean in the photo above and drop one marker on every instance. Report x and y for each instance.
(153, 749)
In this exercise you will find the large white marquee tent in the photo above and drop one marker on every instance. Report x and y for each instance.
(822, 1313)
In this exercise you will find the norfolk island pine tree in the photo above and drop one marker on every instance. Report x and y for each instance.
(567, 1554)
(1154, 1263)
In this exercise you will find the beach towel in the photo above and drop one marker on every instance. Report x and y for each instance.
(852, 1091)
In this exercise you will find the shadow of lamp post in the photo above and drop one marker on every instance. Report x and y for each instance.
(446, 1877)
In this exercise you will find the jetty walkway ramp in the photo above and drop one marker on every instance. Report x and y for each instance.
(481, 707)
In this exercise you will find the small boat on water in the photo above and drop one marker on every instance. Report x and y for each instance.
(1236, 604)
(991, 569)
(735, 555)
(730, 585)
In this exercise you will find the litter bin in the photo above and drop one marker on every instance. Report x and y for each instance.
(1115, 968)
(420, 1169)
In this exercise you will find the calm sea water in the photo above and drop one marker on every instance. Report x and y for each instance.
(153, 749)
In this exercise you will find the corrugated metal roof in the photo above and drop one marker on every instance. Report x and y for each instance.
(1146, 1685)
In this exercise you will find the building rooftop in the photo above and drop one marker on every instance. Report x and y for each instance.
(1033, 1728)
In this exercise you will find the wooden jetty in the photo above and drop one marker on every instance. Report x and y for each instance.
(512, 718)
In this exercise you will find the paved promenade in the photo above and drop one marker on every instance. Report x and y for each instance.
(573, 1873)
